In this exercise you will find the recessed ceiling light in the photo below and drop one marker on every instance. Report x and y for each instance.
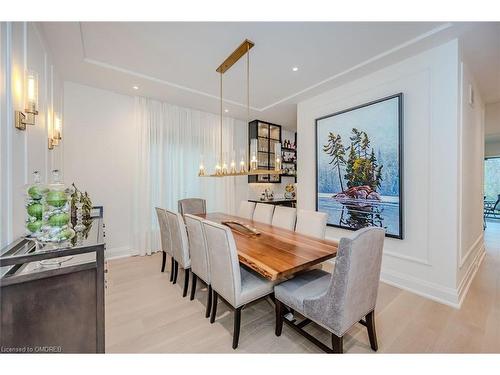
(295, 68)
(226, 110)
(135, 87)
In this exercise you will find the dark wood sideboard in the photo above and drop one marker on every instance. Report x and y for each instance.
(277, 202)
(51, 308)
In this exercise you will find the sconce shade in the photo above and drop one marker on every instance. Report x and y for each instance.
(55, 137)
(57, 127)
(28, 114)
(31, 92)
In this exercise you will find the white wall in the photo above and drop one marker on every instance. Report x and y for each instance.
(471, 186)
(23, 47)
(492, 129)
(99, 154)
(426, 260)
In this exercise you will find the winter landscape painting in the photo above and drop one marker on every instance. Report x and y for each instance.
(358, 166)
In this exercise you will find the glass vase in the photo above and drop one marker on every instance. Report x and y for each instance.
(57, 227)
(34, 206)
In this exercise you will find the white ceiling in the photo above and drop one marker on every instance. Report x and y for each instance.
(176, 62)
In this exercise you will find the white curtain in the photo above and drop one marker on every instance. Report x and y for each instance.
(171, 141)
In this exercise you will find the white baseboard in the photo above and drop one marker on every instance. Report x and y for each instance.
(453, 297)
(464, 285)
(120, 252)
(435, 292)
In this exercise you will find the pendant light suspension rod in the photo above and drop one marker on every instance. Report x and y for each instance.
(221, 161)
(248, 83)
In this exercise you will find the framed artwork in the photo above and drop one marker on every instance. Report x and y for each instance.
(359, 158)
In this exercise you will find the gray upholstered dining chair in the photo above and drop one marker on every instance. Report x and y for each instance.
(200, 266)
(180, 247)
(336, 302)
(246, 210)
(284, 217)
(236, 285)
(311, 223)
(192, 206)
(263, 213)
(166, 245)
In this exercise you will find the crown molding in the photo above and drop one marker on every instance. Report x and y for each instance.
(119, 69)
(162, 81)
(364, 63)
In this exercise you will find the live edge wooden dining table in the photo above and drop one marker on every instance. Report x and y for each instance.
(275, 253)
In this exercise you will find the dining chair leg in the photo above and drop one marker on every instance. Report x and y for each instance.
(337, 344)
(163, 261)
(186, 282)
(214, 307)
(176, 271)
(172, 269)
(193, 286)
(209, 301)
(279, 317)
(237, 324)
(370, 326)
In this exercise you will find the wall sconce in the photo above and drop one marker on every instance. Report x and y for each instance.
(30, 101)
(56, 131)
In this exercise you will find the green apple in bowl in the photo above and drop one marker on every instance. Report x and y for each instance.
(59, 220)
(34, 226)
(56, 198)
(65, 234)
(36, 192)
(35, 210)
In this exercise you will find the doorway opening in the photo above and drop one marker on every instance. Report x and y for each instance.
(492, 194)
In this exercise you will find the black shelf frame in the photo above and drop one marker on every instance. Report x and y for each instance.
(290, 150)
(253, 132)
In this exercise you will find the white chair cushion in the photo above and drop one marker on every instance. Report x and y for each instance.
(179, 240)
(284, 217)
(198, 247)
(253, 287)
(311, 223)
(305, 285)
(263, 213)
(246, 210)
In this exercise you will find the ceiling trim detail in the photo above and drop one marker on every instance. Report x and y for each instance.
(285, 99)
(364, 63)
(163, 82)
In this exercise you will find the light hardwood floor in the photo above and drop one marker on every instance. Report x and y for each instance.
(146, 313)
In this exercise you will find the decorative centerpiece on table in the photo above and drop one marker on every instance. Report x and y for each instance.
(56, 223)
(81, 207)
(290, 191)
(78, 198)
(34, 206)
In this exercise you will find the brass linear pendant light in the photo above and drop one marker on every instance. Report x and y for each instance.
(221, 168)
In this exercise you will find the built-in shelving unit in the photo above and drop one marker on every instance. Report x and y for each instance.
(267, 135)
(289, 158)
